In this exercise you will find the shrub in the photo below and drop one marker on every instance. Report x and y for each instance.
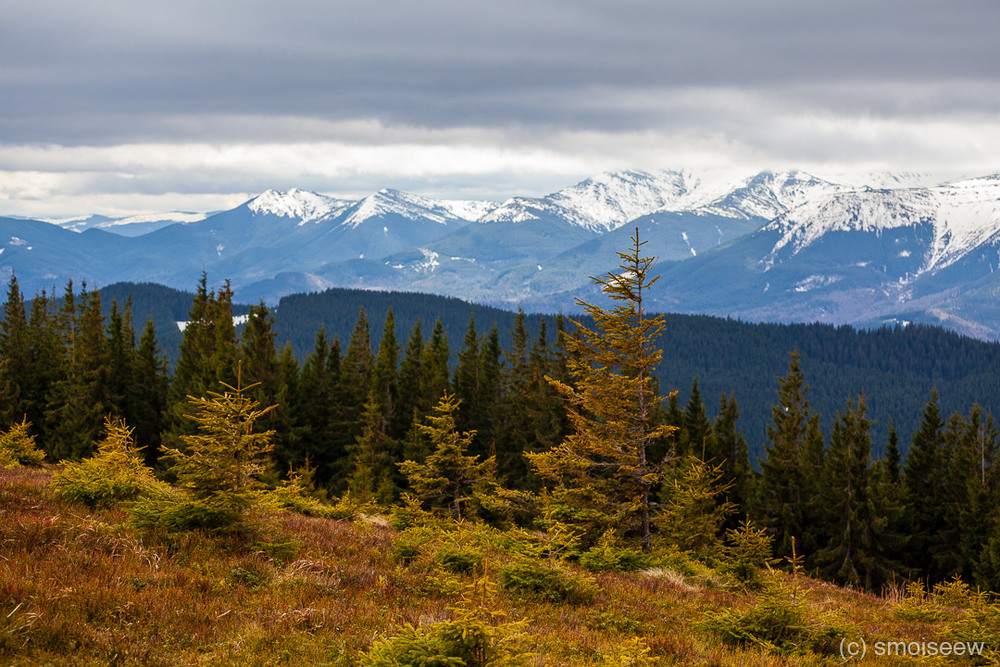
(746, 552)
(552, 584)
(17, 447)
(115, 473)
(294, 494)
(609, 555)
(774, 623)
(460, 561)
(471, 639)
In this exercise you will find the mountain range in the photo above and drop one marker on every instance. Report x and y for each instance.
(772, 246)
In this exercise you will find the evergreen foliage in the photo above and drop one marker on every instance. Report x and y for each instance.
(600, 473)
(449, 478)
(219, 469)
(18, 448)
(115, 473)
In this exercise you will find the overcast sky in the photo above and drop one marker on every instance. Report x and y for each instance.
(115, 107)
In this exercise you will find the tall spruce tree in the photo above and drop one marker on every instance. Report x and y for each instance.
(148, 394)
(924, 482)
(15, 358)
(728, 449)
(601, 475)
(696, 427)
(412, 401)
(315, 401)
(853, 553)
(789, 475)
(385, 385)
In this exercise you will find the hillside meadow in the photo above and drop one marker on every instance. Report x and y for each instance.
(79, 585)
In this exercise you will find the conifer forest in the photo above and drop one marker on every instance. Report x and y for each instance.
(566, 432)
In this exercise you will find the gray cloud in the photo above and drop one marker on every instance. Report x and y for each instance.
(747, 75)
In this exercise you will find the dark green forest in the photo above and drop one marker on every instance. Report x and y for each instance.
(876, 448)
(896, 368)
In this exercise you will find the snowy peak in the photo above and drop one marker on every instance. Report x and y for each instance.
(301, 205)
(611, 199)
(769, 194)
(964, 215)
(388, 202)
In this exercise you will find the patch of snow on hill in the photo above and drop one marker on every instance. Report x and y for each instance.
(469, 209)
(968, 214)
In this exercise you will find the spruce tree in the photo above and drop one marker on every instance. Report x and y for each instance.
(372, 458)
(697, 428)
(789, 477)
(449, 477)
(384, 379)
(728, 447)
(412, 401)
(47, 362)
(601, 475)
(467, 383)
(220, 466)
(435, 374)
(924, 480)
(352, 391)
(314, 401)
(148, 394)
(853, 553)
(15, 358)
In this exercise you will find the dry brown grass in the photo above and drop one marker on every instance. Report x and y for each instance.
(79, 586)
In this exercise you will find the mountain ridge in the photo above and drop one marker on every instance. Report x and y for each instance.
(782, 246)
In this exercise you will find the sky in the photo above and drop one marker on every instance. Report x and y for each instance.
(118, 107)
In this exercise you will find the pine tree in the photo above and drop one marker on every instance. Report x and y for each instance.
(449, 476)
(789, 479)
(729, 448)
(924, 480)
(148, 393)
(601, 473)
(853, 554)
(15, 358)
(220, 466)
(696, 427)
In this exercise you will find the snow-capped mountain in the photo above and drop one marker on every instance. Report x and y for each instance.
(300, 205)
(769, 246)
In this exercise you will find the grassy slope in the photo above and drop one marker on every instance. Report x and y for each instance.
(79, 586)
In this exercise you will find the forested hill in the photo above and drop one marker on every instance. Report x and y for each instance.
(896, 369)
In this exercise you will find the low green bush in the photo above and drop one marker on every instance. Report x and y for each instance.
(608, 555)
(115, 473)
(460, 561)
(552, 584)
(773, 623)
(17, 447)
